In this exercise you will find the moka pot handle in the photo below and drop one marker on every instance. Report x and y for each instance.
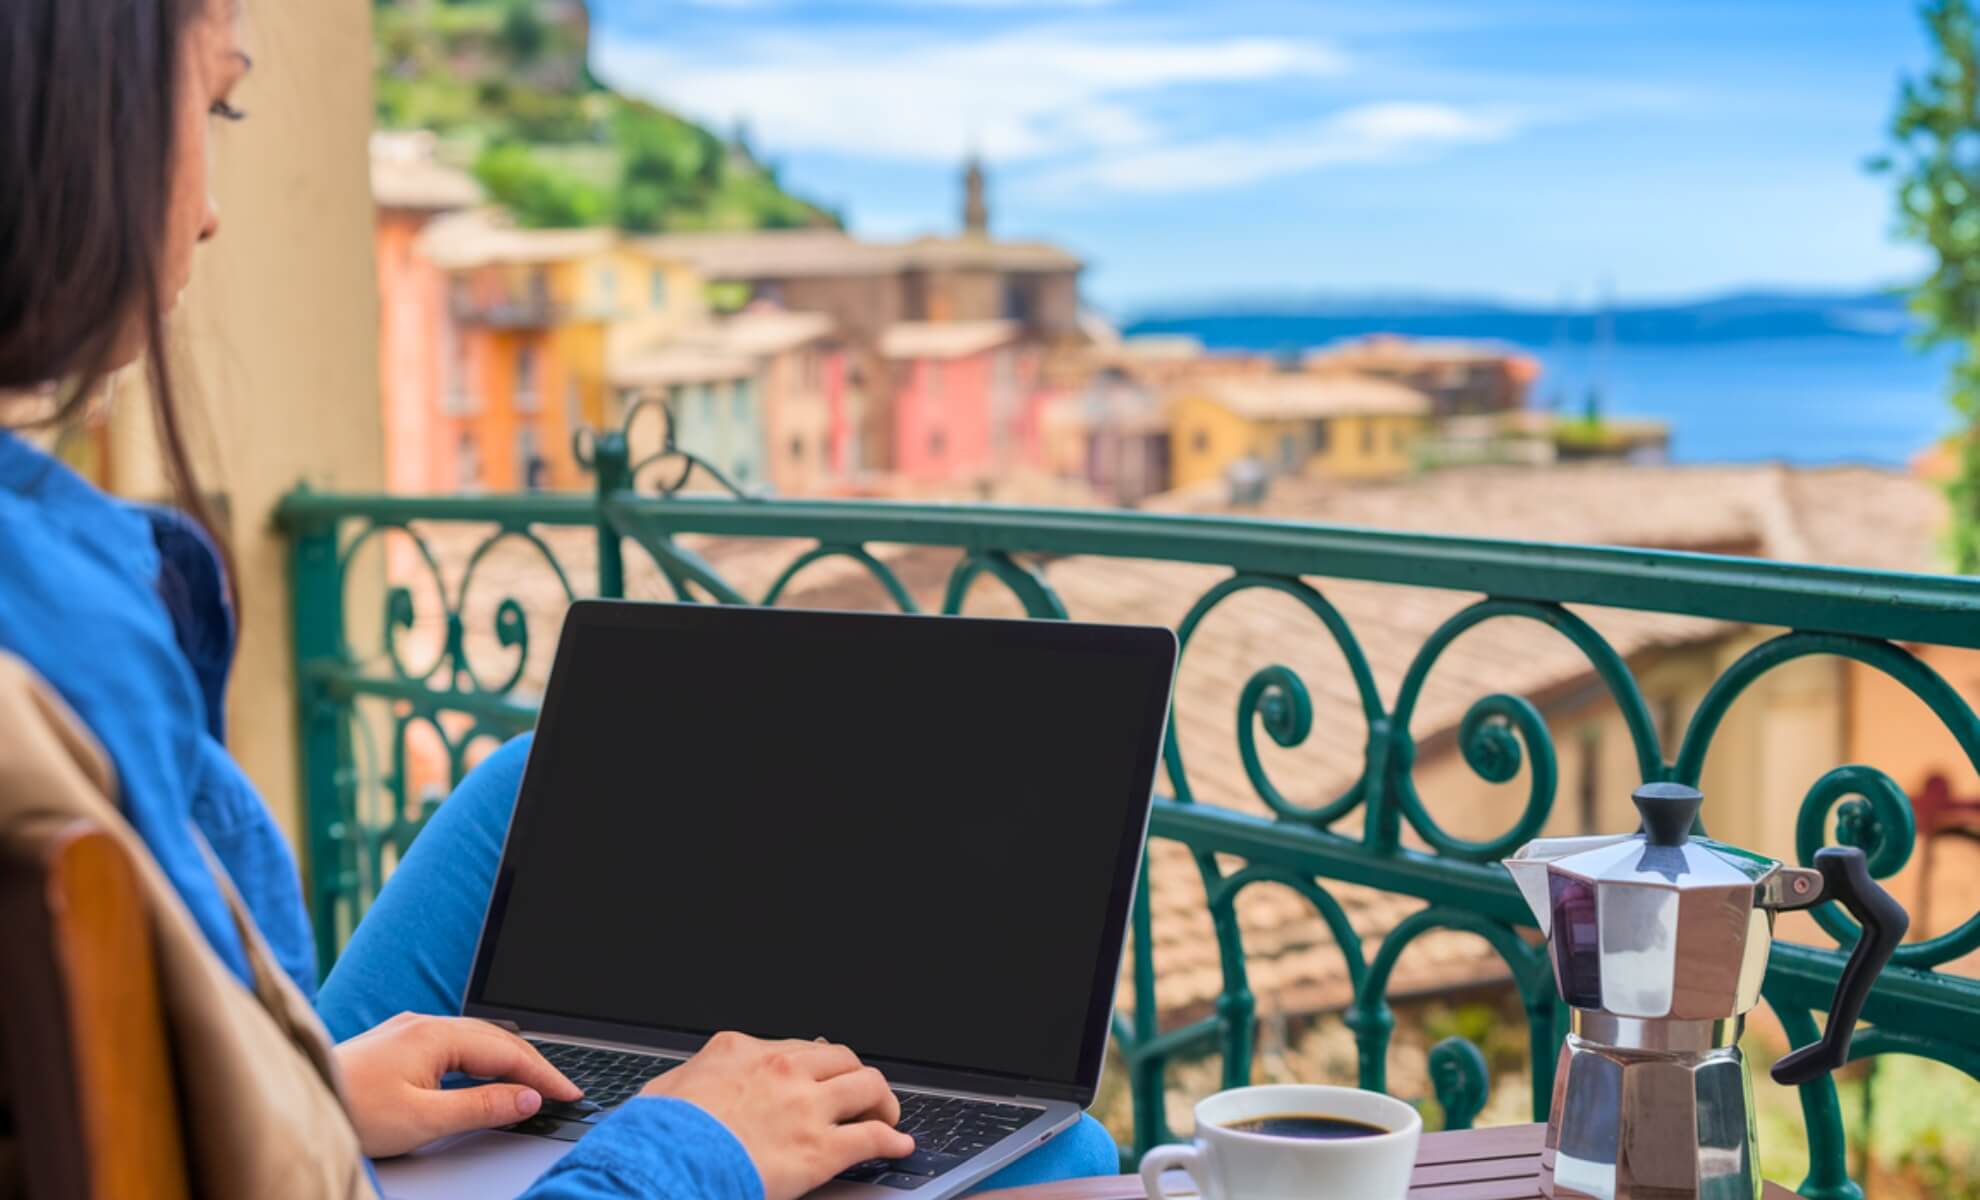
(1846, 878)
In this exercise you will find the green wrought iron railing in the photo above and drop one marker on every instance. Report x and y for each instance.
(359, 812)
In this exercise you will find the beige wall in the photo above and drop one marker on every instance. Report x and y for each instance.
(1895, 731)
(1779, 738)
(280, 337)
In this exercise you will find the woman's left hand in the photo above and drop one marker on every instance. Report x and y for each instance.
(392, 1077)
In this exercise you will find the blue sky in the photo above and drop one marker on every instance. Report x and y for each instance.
(1538, 151)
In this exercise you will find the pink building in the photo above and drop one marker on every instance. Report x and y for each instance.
(961, 392)
(415, 333)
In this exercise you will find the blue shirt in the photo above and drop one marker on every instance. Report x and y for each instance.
(123, 611)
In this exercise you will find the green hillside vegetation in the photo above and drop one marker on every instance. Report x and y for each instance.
(506, 85)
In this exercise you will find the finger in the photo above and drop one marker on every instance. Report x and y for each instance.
(490, 1106)
(482, 1050)
(870, 1139)
(860, 1096)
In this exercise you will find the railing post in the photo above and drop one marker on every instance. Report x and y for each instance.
(329, 802)
(1390, 753)
(610, 465)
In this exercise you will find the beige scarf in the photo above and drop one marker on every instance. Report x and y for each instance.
(261, 1108)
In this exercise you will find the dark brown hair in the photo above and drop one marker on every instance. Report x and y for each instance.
(89, 101)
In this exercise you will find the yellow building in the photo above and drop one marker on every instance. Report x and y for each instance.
(530, 325)
(1345, 427)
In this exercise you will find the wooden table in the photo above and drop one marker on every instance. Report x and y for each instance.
(1502, 1163)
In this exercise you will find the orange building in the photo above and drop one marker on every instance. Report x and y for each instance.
(411, 189)
(532, 316)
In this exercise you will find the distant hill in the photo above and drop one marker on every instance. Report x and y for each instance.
(1279, 324)
(508, 86)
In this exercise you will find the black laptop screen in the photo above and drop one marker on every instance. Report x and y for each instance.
(914, 836)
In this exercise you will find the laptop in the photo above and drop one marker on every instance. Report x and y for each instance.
(917, 836)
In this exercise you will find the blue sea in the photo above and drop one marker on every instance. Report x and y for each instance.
(1798, 377)
(1804, 400)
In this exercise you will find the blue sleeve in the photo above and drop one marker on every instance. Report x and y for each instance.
(653, 1147)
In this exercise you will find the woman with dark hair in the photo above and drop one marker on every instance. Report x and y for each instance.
(106, 111)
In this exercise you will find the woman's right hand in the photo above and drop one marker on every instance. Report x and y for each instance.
(803, 1111)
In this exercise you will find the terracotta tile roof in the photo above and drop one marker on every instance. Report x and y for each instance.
(775, 253)
(770, 332)
(944, 339)
(1159, 347)
(983, 252)
(479, 237)
(678, 362)
(714, 350)
(1393, 350)
(791, 253)
(1858, 516)
(1299, 397)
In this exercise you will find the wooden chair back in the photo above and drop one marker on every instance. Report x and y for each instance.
(86, 1082)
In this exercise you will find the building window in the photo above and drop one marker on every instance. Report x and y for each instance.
(457, 396)
(467, 464)
(797, 449)
(1018, 301)
(707, 391)
(657, 289)
(937, 444)
(1200, 441)
(1288, 452)
(608, 287)
(1322, 431)
(739, 400)
(530, 467)
(1367, 437)
(1396, 439)
(539, 290)
(527, 400)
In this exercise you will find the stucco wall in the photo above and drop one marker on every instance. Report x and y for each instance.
(280, 338)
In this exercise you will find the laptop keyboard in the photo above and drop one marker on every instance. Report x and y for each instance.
(609, 1078)
(948, 1130)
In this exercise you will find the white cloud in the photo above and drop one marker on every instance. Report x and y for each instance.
(1367, 133)
(1024, 95)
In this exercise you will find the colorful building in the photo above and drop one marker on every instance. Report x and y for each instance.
(808, 417)
(1461, 378)
(411, 189)
(760, 395)
(960, 393)
(533, 316)
(1344, 427)
(710, 402)
(868, 288)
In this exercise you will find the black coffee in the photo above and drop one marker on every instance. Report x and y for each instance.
(1306, 1125)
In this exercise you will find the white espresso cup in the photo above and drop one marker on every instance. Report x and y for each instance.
(1230, 1164)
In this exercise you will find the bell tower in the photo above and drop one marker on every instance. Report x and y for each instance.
(976, 209)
